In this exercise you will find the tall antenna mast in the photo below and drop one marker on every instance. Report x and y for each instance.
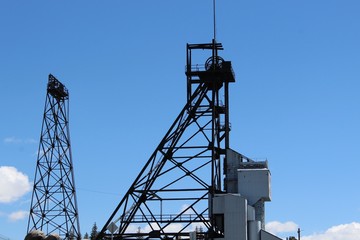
(214, 14)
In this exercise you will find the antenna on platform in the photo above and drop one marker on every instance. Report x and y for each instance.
(214, 18)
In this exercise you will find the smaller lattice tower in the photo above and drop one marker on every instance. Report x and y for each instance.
(53, 205)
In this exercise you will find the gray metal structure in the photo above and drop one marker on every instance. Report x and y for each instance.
(53, 205)
(171, 194)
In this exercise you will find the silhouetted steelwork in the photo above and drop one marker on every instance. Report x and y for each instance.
(53, 205)
(172, 193)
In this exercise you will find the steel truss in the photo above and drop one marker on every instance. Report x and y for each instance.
(172, 193)
(53, 205)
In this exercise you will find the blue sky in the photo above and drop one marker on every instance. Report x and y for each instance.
(295, 102)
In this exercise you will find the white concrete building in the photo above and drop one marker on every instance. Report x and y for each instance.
(240, 213)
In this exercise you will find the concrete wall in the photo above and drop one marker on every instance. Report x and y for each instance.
(254, 184)
(234, 208)
(264, 235)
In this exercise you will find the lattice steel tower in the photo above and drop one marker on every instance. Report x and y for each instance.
(53, 205)
(170, 197)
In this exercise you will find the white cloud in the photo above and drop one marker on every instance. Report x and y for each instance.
(15, 140)
(276, 227)
(12, 140)
(19, 215)
(350, 231)
(13, 184)
(175, 227)
(189, 211)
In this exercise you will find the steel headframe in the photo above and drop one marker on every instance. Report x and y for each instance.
(170, 197)
(53, 205)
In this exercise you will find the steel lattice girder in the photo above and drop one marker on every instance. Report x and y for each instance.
(53, 205)
(184, 171)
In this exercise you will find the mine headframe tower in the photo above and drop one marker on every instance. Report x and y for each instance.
(53, 205)
(170, 197)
